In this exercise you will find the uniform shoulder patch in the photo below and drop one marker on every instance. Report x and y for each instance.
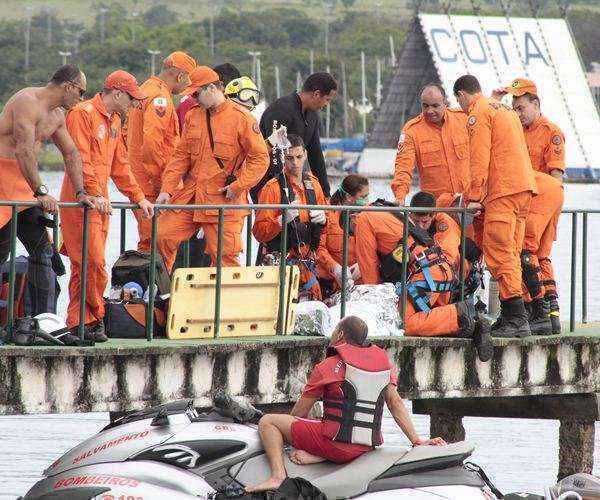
(472, 120)
(101, 133)
(401, 141)
(556, 140)
(255, 128)
(442, 226)
(160, 105)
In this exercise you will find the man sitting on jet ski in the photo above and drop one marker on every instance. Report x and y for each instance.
(353, 381)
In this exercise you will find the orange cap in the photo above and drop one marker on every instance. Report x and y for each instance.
(202, 75)
(521, 86)
(180, 60)
(121, 80)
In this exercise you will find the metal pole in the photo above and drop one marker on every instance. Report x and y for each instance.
(326, 35)
(282, 264)
(151, 280)
(84, 271)
(153, 54)
(64, 54)
(249, 239)
(123, 228)
(312, 61)
(392, 52)
(217, 321)
(12, 274)
(55, 231)
(258, 73)
(404, 268)
(584, 269)
(573, 271)
(346, 220)
(463, 251)
(364, 93)
(345, 98)
(255, 55)
(27, 41)
(277, 83)
(186, 253)
(378, 87)
(298, 81)
(328, 116)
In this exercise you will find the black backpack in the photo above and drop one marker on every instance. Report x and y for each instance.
(135, 266)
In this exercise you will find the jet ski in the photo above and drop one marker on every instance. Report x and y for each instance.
(178, 451)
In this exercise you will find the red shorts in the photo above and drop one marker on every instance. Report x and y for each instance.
(307, 435)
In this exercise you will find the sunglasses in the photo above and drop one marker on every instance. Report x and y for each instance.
(82, 91)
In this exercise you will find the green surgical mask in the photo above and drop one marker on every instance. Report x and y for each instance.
(361, 202)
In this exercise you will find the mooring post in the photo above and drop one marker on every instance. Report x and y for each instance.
(575, 447)
(448, 427)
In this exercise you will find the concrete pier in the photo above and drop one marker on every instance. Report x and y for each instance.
(442, 376)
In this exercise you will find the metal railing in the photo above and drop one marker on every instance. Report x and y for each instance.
(402, 213)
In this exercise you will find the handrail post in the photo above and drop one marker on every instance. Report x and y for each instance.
(12, 274)
(404, 267)
(123, 228)
(584, 269)
(151, 280)
(573, 271)
(186, 252)
(55, 232)
(249, 239)
(281, 328)
(346, 219)
(463, 251)
(217, 320)
(84, 271)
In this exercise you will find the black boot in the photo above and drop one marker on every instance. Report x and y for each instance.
(98, 332)
(554, 314)
(473, 325)
(513, 318)
(539, 321)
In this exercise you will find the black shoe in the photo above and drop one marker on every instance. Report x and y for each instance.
(539, 321)
(98, 332)
(513, 320)
(482, 339)
(554, 313)
(466, 314)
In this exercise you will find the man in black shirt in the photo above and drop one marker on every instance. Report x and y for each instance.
(299, 112)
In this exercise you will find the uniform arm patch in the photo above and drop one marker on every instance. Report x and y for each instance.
(556, 140)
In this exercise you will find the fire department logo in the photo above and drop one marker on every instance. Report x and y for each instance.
(472, 120)
(255, 128)
(515, 84)
(556, 140)
(160, 106)
(442, 226)
(101, 132)
(401, 140)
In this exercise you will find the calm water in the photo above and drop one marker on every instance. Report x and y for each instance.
(518, 455)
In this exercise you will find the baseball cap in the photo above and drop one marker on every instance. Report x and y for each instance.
(521, 86)
(202, 75)
(121, 80)
(180, 60)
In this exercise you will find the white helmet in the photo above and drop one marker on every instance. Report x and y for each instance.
(49, 322)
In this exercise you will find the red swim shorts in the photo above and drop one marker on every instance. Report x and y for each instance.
(307, 435)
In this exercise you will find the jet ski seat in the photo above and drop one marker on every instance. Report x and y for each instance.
(353, 478)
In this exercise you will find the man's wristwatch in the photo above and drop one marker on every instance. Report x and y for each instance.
(42, 190)
(79, 193)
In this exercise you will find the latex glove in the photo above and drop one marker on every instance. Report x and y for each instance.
(279, 138)
(200, 234)
(318, 217)
(355, 272)
(337, 274)
(290, 214)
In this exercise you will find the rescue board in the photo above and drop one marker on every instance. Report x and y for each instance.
(249, 302)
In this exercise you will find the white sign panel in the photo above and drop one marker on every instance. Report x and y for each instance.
(497, 50)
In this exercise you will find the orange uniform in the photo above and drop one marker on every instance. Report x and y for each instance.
(546, 145)
(379, 233)
(540, 233)
(98, 137)
(441, 154)
(241, 149)
(152, 135)
(331, 246)
(502, 180)
(267, 227)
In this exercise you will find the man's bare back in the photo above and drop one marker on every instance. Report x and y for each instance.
(48, 119)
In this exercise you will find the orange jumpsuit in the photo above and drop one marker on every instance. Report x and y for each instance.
(266, 226)
(103, 153)
(380, 233)
(546, 145)
(540, 231)
(241, 149)
(502, 181)
(152, 135)
(331, 246)
(441, 154)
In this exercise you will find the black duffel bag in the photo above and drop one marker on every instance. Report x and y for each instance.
(127, 319)
(135, 266)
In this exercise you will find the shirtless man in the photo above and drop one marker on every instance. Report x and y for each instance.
(30, 117)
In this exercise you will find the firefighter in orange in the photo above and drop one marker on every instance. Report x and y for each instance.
(95, 126)
(353, 190)
(153, 131)
(546, 145)
(436, 142)
(221, 155)
(433, 262)
(502, 185)
(294, 185)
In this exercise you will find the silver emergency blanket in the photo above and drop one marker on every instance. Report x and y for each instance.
(377, 305)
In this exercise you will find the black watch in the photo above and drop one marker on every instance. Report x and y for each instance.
(79, 193)
(42, 190)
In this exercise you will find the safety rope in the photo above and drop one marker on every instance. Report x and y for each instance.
(506, 9)
(535, 6)
(477, 10)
